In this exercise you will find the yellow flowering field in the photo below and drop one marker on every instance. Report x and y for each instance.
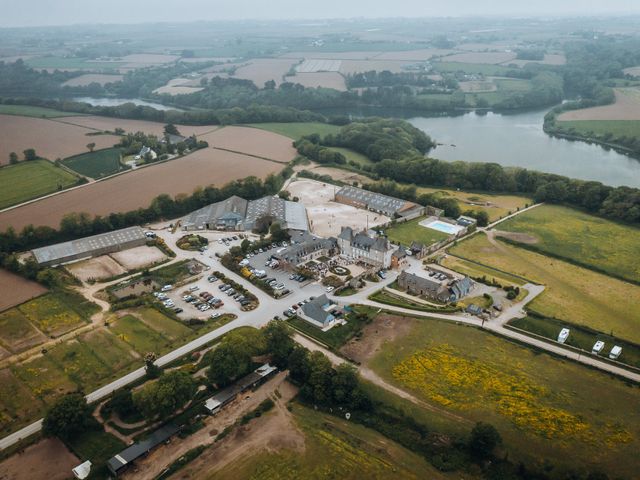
(545, 408)
(51, 315)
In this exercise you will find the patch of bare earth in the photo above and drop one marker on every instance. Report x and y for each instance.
(253, 141)
(384, 328)
(48, 459)
(96, 268)
(15, 290)
(150, 128)
(273, 432)
(517, 237)
(138, 257)
(223, 452)
(89, 78)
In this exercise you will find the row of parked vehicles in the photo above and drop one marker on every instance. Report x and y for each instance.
(239, 297)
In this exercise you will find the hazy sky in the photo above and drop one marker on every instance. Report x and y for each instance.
(62, 12)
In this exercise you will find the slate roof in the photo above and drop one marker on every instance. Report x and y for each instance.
(138, 449)
(315, 309)
(363, 241)
(376, 201)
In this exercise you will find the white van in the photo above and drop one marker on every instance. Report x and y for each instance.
(563, 335)
(615, 352)
(166, 288)
(597, 347)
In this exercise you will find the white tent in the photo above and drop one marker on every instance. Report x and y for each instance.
(82, 471)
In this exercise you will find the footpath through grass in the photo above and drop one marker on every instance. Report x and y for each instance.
(581, 238)
(573, 294)
(28, 180)
(96, 164)
(546, 409)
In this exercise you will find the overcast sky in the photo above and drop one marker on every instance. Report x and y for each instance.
(64, 12)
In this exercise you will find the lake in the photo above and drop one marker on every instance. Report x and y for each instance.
(114, 102)
(518, 140)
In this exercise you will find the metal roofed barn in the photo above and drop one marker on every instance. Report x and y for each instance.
(122, 460)
(90, 246)
(377, 202)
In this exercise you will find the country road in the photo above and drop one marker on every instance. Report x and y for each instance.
(270, 307)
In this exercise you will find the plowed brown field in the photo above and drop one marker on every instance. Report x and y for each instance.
(15, 290)
(51, 139)
(150, 128)
(626, 107)
(252, 141)
(136, 189)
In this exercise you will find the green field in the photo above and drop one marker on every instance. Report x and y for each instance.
(97, 446)
(137, 334)
(618, 128)
(474, 270)
(407, 232)
(96, 164)
(56, 313)
(582, 238)
(334, 448)
(546, 409)
(30, 111)
(17, 403)
(28, 180)
(16, 332)
(164, 325)
(297, 130)
(353, 156)
(573, 293)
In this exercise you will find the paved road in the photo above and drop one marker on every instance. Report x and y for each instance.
(269, 308)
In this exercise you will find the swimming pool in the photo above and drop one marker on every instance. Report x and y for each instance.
(441, 226)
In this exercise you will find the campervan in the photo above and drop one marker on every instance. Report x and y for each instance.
(563, 335)
(597, 347)
(615, 352)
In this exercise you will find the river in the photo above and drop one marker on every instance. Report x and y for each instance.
(114, 102)
(518, 140)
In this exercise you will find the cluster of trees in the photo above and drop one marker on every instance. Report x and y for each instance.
(28, 155)
(131, 143)
(547, 89)
(385, 78)
(617, 203)
(163, 397)
(377, 138)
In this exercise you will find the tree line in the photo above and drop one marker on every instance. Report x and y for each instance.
(401, 163)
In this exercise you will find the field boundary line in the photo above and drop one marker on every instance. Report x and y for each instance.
(250, 155)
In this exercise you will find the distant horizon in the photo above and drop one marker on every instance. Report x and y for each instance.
(540, 16)
(41, 13)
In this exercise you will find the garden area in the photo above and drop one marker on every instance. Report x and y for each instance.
(192, 242)
(408, 232)
(98, 164)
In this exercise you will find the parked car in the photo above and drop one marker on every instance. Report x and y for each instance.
(215, 315)
(166, 288)
(329, 288)
(178, 310)
(194, 288)
(212, 278)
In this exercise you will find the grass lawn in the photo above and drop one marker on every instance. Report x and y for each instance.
(27, 180)
(137, 334)
(31, 111)
(573, 294)
(171, 273)
(353, 156)
(582, 238)
(618, 128)
(96, 164)
(338, 335)
(44, 378)
(297, 130)
(16, 332)
(506, 88)
(474, 270)
(17, 403)
(166, 326)
(397, 301)
(97, 446)
(80, 363)
(497, 206)
(545, 408)
(53, 314)
(334, 448)
(109, 349)
(579, 337)
(407, 232)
